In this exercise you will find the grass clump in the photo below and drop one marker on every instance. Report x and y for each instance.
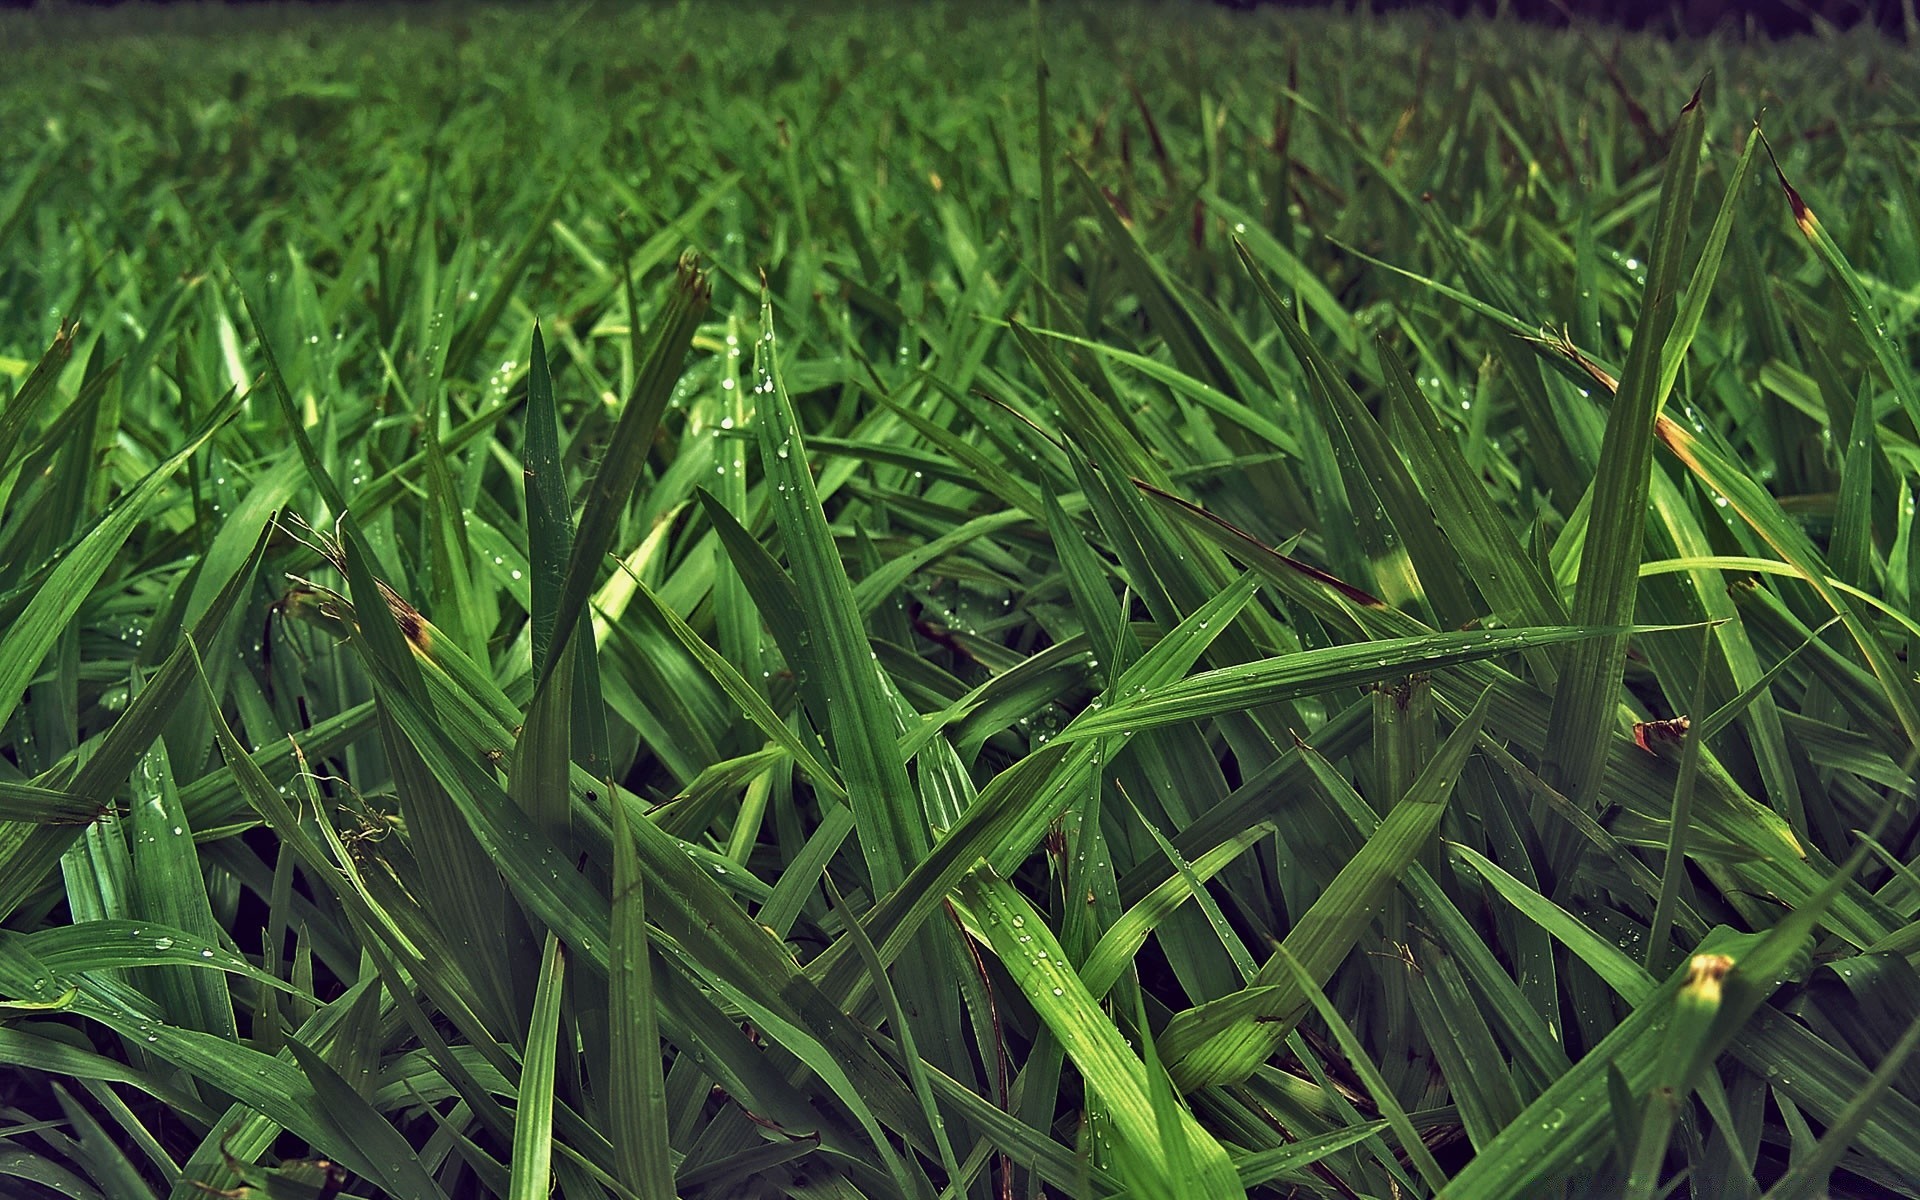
(1079, 601)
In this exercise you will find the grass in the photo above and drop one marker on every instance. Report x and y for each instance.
(1064, 600)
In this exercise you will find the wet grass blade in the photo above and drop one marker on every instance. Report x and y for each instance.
(170, 888)
(28, 852)
(1586, 701)
(860, 722)
(1102, 558)
(549, 518)
(1862, 313)
(1003, 919)
(1764, 515)
(1559, 1128)
(1225, 1040)
(33, 633)
(1809, 1175)
(1012, 813)
(1231, 689)
(606, 498)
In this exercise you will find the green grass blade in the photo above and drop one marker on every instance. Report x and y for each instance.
(1230, 689)
(861, 723)
(637, 1099)
(1003, 920)
(1225, 1040)
(549, 520)
(1862, 313)
(1764, 515)
(606, 498)
(1807, 1177)
(33, 633)
(1013, 811)
(29, 852)
(1560, 1127)
(356, 1126)
(169, 887)
(25, 403)
(903, 1030)
(1492, 557)
(1123, 939)
(1356, 1056)
(1687, 324)
(532, 1162)
(1586, 702)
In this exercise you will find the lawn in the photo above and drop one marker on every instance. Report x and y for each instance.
(955, 600)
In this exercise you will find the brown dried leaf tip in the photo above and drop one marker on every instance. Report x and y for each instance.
(1561, 343)
(1358, 595)
(1802, 215)
(1705, 973)
(1657, 737)
(413, 625)
(696, 281)
(408, 618)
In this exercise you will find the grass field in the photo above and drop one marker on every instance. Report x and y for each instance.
(954, 600)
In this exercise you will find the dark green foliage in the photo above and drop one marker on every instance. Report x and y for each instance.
(954, 600)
